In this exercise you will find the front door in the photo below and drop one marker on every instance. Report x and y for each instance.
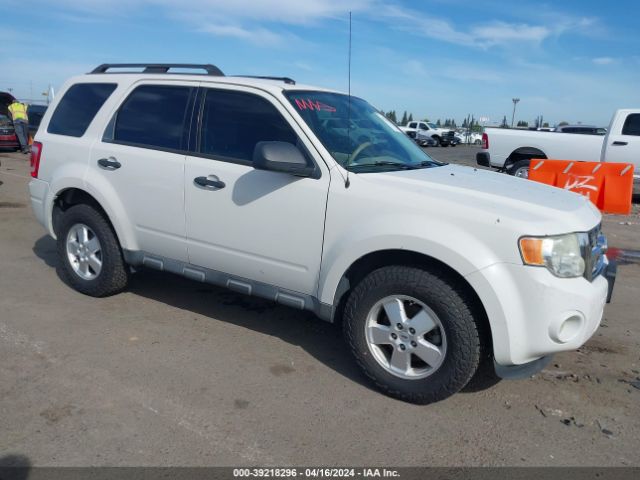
(624, 147)
(254, 224)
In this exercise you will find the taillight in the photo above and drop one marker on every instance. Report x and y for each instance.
(36, 151)
(485, 141)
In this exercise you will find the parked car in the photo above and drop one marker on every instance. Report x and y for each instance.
(426, 129)
(434, 271)
(426, 141)
(473, 138)
(511, 150)
(6, 99)
(35, 113)
(8, 139)
(581, 129)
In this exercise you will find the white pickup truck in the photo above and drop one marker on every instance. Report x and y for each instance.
(422, 130)
(511, 150)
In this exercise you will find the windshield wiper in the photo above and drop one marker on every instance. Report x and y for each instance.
(382, 163)
(430, 164)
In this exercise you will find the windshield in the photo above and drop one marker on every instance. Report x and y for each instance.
(359, 138)
(432, 125)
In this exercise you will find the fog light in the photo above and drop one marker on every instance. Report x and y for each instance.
(567, 327)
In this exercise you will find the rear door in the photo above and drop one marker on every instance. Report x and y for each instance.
(142, 156)
(623, 141)
(259, 225)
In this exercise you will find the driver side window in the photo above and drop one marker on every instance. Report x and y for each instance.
(234, 122)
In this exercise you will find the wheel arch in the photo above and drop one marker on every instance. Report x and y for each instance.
(73, 195)
(381, 258)
(524, 153)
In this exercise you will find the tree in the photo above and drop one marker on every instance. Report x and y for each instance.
(438, 123)
(545, 125)
(391, 115)
(563, 123)
(410, 119)
(404, 118)
(504, 123)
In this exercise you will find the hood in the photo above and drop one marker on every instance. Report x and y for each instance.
(553, 209)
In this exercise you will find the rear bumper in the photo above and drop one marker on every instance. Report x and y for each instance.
(9, 141)
(38, 191)
(483, 159)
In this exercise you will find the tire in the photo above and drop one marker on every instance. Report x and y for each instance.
(520, 169)
(438, 143)
(477, 142)
(447, 306)
(112, 275)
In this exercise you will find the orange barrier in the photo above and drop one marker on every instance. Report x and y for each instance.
(608, 185)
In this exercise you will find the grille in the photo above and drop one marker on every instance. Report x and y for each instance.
(593, 252)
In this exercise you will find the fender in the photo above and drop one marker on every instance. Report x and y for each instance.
(74, 175)
(66, 176)
(443, 243)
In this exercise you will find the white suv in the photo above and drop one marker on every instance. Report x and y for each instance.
(311, 198)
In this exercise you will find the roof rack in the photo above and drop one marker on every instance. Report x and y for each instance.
(159, 67)
(287, 80)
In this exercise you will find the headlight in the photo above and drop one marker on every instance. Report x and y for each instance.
(560, 254)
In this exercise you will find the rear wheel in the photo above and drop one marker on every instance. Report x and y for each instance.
(520, 169)
(413, 333)
(89, 251)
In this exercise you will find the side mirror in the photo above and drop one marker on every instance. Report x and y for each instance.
(281, 157)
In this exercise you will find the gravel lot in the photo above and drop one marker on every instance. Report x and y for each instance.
(172, 372)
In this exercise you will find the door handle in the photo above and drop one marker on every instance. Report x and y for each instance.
(210, 183)
(109, 163)
(620, 143)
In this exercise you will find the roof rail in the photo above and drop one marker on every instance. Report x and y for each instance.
(287, 80)
(159, 67)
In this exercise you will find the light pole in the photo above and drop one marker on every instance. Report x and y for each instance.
(513, 115)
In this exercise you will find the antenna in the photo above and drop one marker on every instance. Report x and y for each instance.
(347, 182)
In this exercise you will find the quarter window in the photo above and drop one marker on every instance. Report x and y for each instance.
(77, 108)
(632, 125)
(155, 116)
(234, 122)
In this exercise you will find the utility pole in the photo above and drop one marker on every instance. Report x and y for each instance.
(513, 115)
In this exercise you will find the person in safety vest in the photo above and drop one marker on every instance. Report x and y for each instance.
(18, 112)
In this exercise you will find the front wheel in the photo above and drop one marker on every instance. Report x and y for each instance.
(413, 333)
(520, 169)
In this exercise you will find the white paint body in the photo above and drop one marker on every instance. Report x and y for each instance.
(302, 234)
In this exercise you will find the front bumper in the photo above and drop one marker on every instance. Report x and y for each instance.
(534, 314)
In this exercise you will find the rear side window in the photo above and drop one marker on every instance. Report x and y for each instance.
(155, 116)
(77, 108)
(233, 122)
(632, 125)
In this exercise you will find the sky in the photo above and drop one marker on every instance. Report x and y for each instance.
(575, 61)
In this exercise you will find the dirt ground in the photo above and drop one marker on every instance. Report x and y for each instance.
(172, 372)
